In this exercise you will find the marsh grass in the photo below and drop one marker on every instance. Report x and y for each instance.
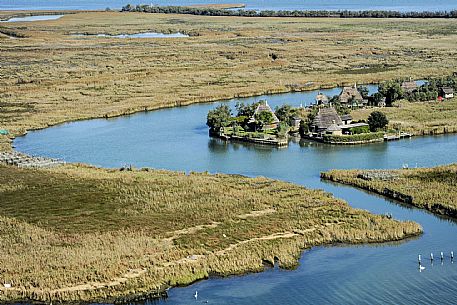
(428, 188)
(76, 233)
(50, 76)
(419, 118)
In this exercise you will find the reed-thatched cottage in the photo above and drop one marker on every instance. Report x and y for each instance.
(351, 97)
(409, 86)
(263, 106)
(327, 121)
(324, 119)
(447, 92)
(322, 99)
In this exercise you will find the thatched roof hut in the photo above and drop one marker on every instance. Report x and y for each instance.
(322, 99)
(325, 118)
(409, 86)
(263, 106)
(350, 94)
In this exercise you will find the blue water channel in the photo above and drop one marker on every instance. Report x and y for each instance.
(177, 139)
(34, 18)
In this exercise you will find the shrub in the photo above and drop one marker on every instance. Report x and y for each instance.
(377, 120)
(364, 137)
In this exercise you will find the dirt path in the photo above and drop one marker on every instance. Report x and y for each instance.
(133, 273)
(267, 237)
(192, 230)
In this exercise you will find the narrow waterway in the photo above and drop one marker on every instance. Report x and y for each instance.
(177, 139)
(33, 18)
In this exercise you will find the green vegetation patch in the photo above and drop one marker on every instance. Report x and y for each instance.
(77, 233)
(363, 137)
(429, 188)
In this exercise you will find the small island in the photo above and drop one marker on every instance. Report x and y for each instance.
(323, 122)
(256, 123)
(329, 119)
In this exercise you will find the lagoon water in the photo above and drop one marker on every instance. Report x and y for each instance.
(397, 5)
(34, 18)
(177, 139)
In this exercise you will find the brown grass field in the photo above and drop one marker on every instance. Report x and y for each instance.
(81, 234)
(428, 188)
(421, 118)
(77, 233)
(50, 76)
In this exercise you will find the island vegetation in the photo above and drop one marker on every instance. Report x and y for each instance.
(222, 11)
(92, 77)
(432, 189)
(255, 123)
(77, 233)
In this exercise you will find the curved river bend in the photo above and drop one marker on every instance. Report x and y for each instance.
(177, 139)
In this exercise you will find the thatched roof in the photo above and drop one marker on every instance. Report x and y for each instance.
(350, 94)
(409, 86)
(447, 90)
(334, 127)
(326, 117)
(321, 99)
(263, 106)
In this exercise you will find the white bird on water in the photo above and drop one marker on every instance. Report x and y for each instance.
(196, 294)
(421, 268)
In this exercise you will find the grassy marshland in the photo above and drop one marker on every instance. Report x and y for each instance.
(420, 118)
(81, 233)
(50, 76)
(429, 188)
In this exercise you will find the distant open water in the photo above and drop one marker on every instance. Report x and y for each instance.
(398, 5)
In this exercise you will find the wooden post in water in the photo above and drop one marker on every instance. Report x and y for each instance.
(419, 259)
(431, 256)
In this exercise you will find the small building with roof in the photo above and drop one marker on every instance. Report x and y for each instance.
(409, 86)
(327, 121)
(334, 129)
(322, 99)
(447, 92)
(351, 97)
(264, 107)
(324, 118)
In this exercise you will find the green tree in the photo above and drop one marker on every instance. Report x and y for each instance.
(377, 120)
(392, 91)
(246, 110)
(304, 128)
(285, 113)
(263, 118)
(219, 117)
(283, 129)
(377, 98)
(363, 91)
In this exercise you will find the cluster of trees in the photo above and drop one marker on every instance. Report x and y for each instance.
(222, 116)
(219, 117)
(431, 89)
(377, 121)
(284, 13)
(392, 90)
